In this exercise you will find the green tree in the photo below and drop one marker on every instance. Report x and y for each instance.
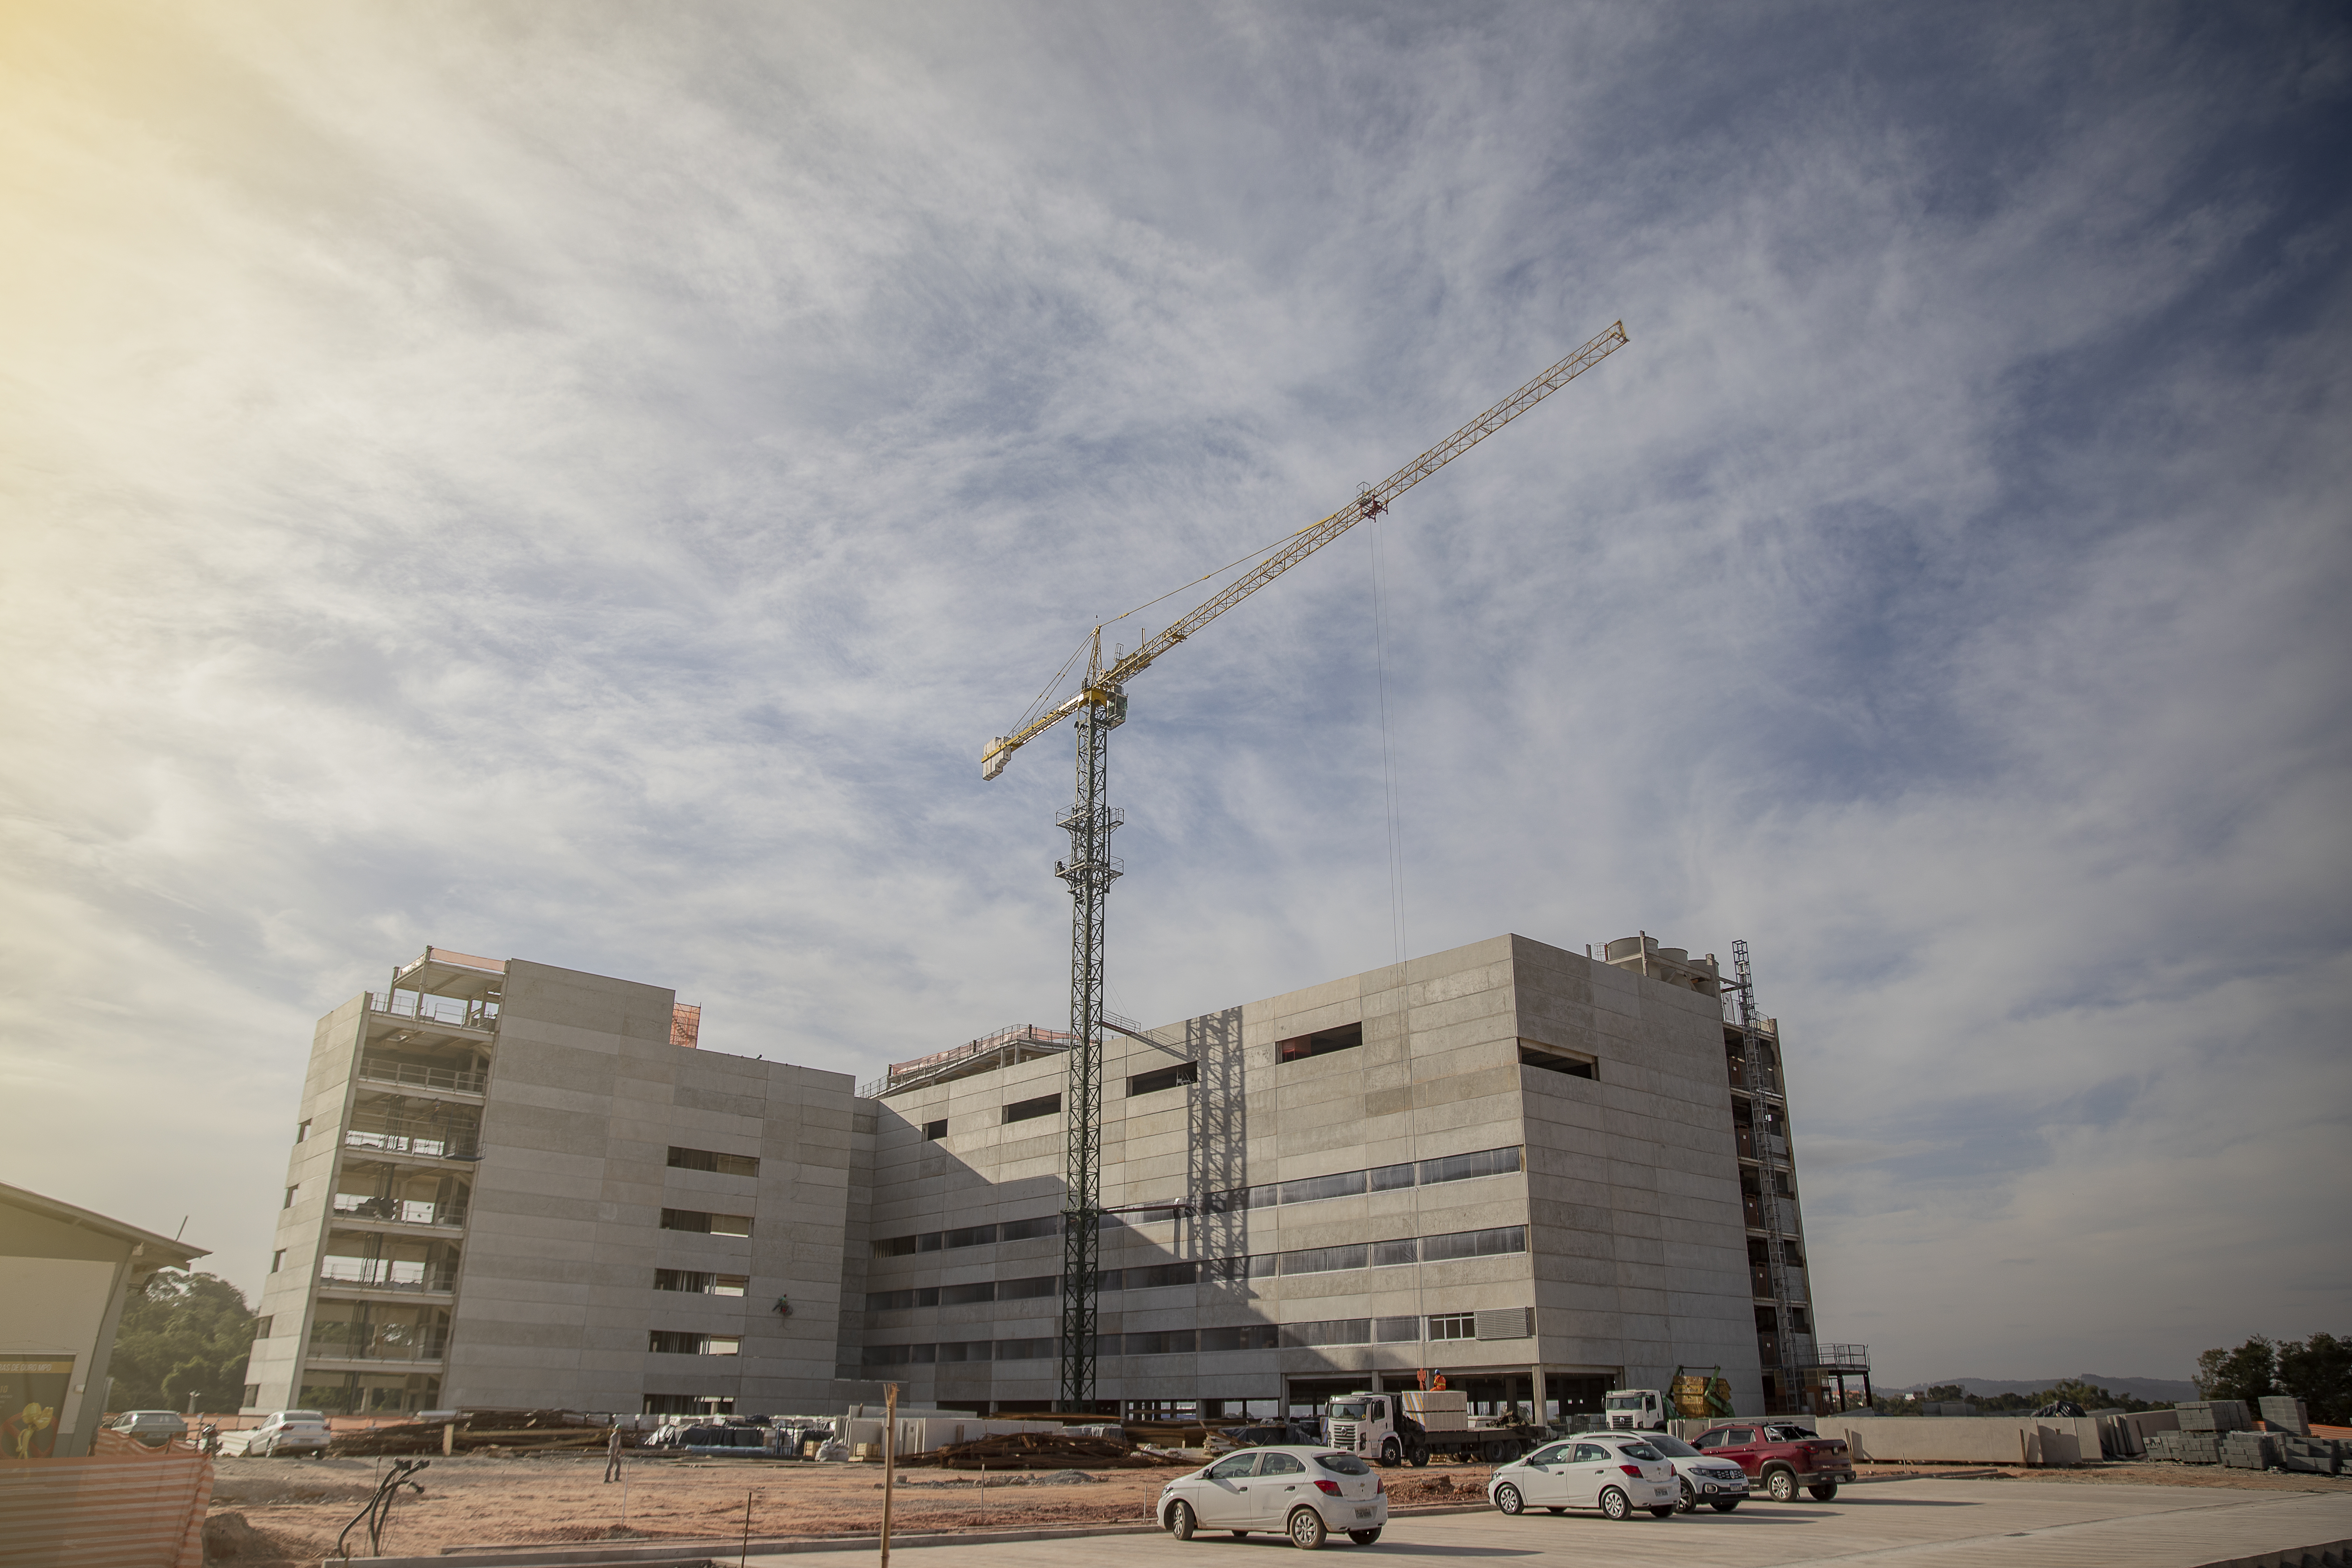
(2248, 1373)
(2318, 1371)
(186, 1333)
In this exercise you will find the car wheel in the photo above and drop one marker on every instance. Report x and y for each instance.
(1823, 1492)
(1418, 1458)
(1507, 1498)
(1667, 1512)
(1179, 1520)
(1725, 1507)
(1390, 1453)
(1364, 1537)
(1615, 1503)
(1307, 1530)
(1782, 1485)
(1689, 1502)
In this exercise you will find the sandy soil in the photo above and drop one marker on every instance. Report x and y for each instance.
(299, 1506)
(292, 1510)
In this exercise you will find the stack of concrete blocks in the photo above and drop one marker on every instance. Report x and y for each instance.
(2213, 1416)
(2250, 1450)
(2186, 1448)
(2284, 1413)
(921, 1433)
(1975, 1439)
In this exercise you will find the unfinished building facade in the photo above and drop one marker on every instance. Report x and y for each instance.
(1543, 1173)
(514, 1186)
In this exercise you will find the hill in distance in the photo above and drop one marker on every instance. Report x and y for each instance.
(2156, 1390)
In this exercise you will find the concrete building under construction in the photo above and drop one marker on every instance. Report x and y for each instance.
(1542, 1172)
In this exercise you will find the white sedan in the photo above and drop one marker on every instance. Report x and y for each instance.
(288, 1432)
(1307, 1493)
(1702, 1477)
(1615, 1472)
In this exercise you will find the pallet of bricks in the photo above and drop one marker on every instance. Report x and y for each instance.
(2293, 1448)
(2204, 1424)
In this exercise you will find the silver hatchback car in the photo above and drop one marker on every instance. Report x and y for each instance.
(1615, 1472)
(1307, 1493)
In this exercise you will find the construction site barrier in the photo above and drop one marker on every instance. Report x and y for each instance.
(126, 1506)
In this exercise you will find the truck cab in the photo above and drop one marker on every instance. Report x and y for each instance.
(1634, 1410)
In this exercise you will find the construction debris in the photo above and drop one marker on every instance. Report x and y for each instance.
(479, 1431)
(1036, 1451)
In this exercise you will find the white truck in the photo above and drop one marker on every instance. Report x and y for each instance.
(1409, 1425)
(1634, 1410)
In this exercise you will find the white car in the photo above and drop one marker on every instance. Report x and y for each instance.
(288, 1432)
(1615, 1472)
(1301, 1491)
(1700, 1477)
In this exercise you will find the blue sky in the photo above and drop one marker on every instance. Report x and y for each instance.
(583, 482)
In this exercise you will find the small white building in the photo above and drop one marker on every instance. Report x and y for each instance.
(68, 1275)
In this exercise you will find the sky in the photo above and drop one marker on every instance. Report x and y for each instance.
(583, 482)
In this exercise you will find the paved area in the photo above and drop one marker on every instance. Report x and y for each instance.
(1913, 1524)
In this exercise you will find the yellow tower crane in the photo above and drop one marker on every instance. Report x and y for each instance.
(1100, 707)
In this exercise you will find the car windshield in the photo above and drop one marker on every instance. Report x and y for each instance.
(303, 1416)
(1625, 1402)
(1673, 1448)
(1343, 1464)
(1347, 1413)
(1638, 1451)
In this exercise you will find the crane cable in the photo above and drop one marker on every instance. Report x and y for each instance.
(1387, 759)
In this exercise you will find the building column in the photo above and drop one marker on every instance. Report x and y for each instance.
(1536, 1386)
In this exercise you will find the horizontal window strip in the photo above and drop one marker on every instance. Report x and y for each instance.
(1379, 1179)
(1494, 1242)
(1207, 1342)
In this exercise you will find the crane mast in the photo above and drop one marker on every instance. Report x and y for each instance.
(1098, 707)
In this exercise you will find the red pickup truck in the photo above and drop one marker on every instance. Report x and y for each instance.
(1780, 1456)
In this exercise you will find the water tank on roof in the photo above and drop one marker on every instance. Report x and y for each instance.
(1673, 954)
(1625, 947)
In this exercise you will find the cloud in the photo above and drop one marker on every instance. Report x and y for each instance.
(566, 482)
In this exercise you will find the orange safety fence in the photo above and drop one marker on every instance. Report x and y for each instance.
(126, 1506)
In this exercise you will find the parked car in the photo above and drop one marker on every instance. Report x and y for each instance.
(1615, 1472)
(1700, 1478)
(1279, 1433)
(1781, 1456)
(151, 1428)
(1303, 1491)
(289, 1431)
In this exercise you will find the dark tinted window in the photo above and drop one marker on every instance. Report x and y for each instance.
(1298, 1047)
(1343, 1464)
(1164, 1077)
(1030, 1109)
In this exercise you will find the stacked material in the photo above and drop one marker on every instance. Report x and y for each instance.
(513, 1431)
(2213, 1416)
(1037, 1451)
(2250, 1450)
(2185, 1448)
(2284, 1413)
(2314, 1456)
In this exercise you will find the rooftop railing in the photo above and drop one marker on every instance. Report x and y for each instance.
(424, 1009)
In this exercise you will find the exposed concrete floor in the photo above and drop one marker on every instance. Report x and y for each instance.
(1990, 1523)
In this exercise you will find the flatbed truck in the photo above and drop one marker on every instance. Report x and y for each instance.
(1413, 1425)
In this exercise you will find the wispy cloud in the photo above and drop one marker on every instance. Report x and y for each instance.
(579, 483)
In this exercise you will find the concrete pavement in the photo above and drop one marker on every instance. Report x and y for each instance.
(1914, 1524)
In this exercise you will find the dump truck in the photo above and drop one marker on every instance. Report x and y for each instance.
(1411, 1425)
(1690, 1396)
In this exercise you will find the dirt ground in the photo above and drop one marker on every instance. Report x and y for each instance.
(292, 1510)
(289, 1511)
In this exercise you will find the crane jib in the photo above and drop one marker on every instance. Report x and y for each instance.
(1306, 541)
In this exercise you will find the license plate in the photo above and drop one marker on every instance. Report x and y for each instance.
(1364, 1513)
